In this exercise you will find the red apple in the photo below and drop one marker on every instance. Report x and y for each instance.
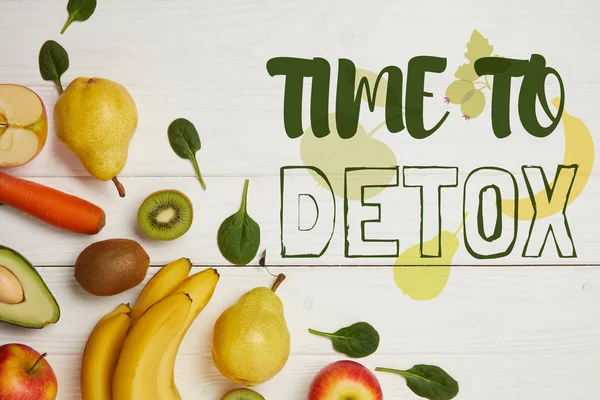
(23, 125)
(25, 374)
(345, 380)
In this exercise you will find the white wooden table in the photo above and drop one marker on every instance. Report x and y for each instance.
(505, 333)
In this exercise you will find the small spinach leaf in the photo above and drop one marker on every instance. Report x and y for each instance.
(239, 235)
(79, 10)
(357, 340)
(54, 62)
(428, 381)
(185, 142)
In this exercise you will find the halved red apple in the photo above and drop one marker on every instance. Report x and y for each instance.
(23, 125)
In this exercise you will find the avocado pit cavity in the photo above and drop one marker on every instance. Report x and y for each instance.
(11, 290)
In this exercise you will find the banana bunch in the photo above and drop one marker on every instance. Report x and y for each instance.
(130, 354)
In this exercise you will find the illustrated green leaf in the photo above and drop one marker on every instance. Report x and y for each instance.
(466, 72)
(239, 235)
(428, 381)
(53, 62)
(79, 10)
(185, 142)
(356, 341)
(478, 47)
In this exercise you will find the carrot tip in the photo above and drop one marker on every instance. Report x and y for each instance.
(102, 223)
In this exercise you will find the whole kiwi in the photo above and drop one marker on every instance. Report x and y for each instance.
(111, 266)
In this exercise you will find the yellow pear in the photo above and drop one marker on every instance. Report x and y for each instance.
(251, 340)
(424, 278)
(96, 118)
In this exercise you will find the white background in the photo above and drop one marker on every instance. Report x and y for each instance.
(503, 332)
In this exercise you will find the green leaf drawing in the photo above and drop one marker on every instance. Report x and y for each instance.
(478, 47)
(466, 72)
(468, 89)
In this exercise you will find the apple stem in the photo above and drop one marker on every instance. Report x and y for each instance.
(120, 187)
(35, 364)
(280, 279)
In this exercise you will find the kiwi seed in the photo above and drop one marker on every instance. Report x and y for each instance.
(166, 215)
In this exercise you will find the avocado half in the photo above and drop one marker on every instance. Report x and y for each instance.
(39, 307)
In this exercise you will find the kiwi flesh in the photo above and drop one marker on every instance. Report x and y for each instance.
(243, 394)
(166, 215)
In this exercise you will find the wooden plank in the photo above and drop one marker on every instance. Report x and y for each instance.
(505, 377)
(482, 311)
(510, 332)
(400, 220)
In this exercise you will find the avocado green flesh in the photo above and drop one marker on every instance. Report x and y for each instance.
(39, 307)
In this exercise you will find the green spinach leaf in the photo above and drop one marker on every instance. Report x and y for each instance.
(79, 10)
(357, 340)
(54, 62)
(239, 235)
(185, 142)
(428, 381)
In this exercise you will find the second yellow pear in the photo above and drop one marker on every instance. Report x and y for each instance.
(251, 340)
(96, 119)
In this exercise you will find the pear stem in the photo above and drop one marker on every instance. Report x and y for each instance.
(120, 187)
(280, 279)
(35, 364)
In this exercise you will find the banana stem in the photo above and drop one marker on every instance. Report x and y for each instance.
(279, 281)
(120, 187)
(35, 364)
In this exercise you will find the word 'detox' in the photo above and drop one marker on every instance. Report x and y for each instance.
(486, 235)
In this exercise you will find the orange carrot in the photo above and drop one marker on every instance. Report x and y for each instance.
(52, 206)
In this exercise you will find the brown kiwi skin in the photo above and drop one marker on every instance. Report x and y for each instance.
(110, 267)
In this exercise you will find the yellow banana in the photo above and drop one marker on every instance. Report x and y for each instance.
(121, 309)
(200, 287)
(579, 149)
(161, 285)
(101, 354)
(145, 345)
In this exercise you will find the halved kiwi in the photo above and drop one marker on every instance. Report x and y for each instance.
(166, 215)
(242, 394)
